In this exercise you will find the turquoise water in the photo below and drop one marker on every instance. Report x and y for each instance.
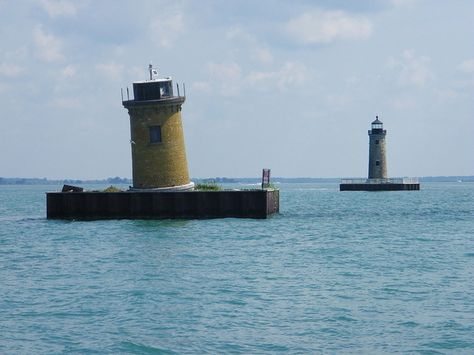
(334, 272)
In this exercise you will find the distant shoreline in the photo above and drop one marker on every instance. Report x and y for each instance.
(118, 180)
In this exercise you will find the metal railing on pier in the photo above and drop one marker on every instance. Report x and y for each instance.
(405, 180)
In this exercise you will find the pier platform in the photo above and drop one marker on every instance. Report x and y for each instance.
(395, 184)
(92, 205)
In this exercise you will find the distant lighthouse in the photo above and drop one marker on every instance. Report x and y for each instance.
(157, 139)
(377, 151)
(378, 179)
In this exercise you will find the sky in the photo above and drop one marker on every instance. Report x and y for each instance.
(287, 85)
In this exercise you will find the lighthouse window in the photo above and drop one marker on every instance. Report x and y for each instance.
(155, 134)
(376, 141)
(377, 163)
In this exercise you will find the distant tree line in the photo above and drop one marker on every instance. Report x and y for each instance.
(45, 181)
(119, 180)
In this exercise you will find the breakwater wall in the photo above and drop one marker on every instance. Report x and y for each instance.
(159, 205)
(379, 187)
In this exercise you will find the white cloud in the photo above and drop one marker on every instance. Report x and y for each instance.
(225, 71)
(68, 72)
(47, 45)
(56, 8)
(447, 94)
(16, 55)
(404, 3)
(227, 77)
(201, 86)
(319, 26)
(403, 102)
(250, 43)
(237, 32)
(66, 102)
(137, 72)
(338, 102)
(467, 66)
(352, 80)
(112, 71)
(291, 74)
(412, 70)
(231, 80)
(63, 82)
(263, 55)
(167, 28)
(3, 87)
(11, 70)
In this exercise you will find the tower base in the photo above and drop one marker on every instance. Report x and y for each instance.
(404, 184)
(186, 187)
(158, 205)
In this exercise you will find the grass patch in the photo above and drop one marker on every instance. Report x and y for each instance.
(207, 186)
(270, 186)
(112, 188)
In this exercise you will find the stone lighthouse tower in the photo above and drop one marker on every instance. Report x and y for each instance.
(157, 139)
(378, 179)
(377, 157)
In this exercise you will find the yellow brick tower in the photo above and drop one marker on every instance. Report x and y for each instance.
(157, 139)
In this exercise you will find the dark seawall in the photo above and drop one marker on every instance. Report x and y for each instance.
(379, 187)
(159, 205)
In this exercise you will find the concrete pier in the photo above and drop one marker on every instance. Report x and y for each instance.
(160, 205)
(401, 184)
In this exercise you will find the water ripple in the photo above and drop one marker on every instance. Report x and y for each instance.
(334, 272)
